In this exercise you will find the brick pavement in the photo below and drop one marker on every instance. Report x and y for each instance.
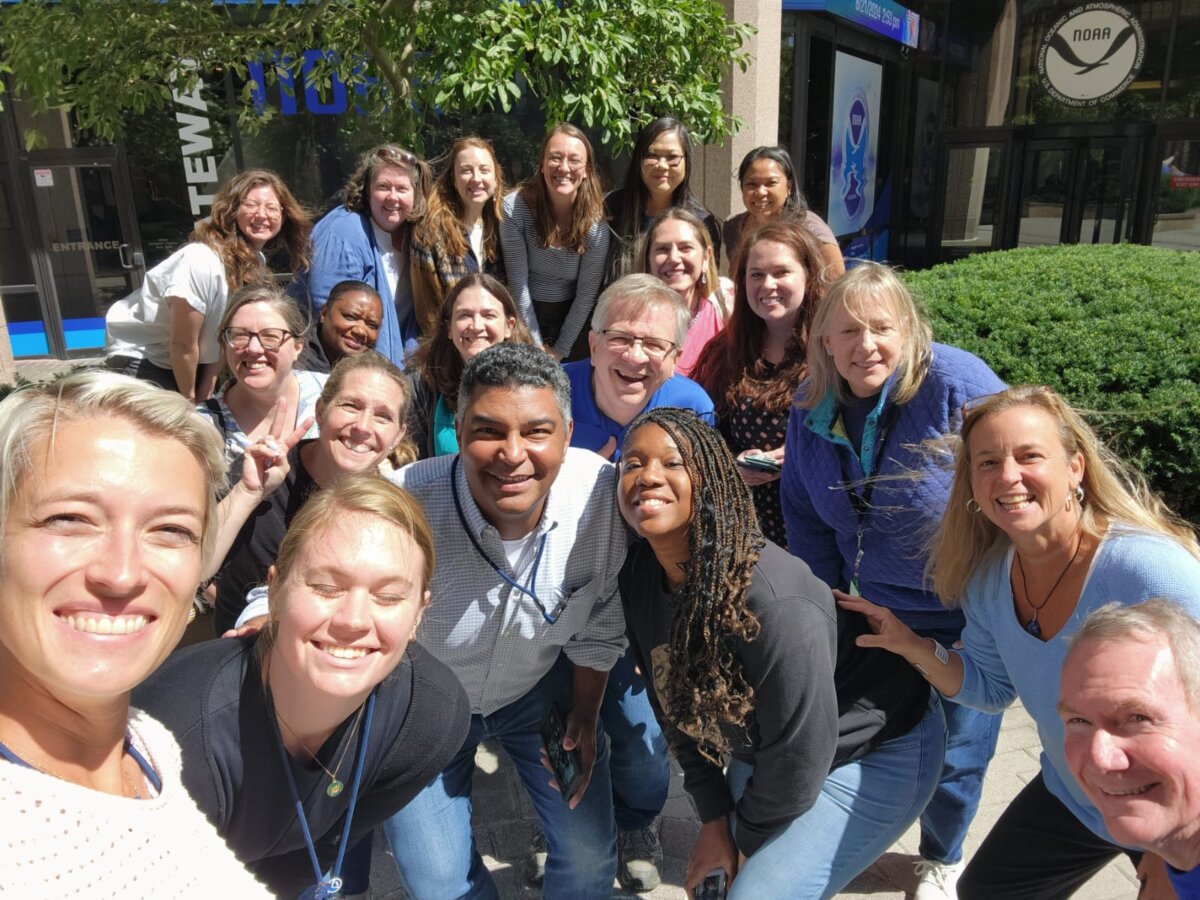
(503, 820)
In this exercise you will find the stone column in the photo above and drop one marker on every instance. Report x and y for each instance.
(8, 369)
(753, 95)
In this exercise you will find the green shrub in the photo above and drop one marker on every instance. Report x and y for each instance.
(1115, 329)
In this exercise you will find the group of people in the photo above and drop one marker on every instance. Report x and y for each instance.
(481, 490)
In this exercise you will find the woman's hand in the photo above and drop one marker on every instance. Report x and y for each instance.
(253, 626)
(889, 632)
(264, 463)
(714, 849)
(942, 669)
(754, 477)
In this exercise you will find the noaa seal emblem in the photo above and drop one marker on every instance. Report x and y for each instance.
(1091, 54)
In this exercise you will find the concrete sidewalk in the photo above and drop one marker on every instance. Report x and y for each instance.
(504, 820)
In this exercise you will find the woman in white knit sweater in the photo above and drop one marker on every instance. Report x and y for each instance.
(107, 500)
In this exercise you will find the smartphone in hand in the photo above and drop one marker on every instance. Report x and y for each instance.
(712, 887)
(760, 464)
(564, 762)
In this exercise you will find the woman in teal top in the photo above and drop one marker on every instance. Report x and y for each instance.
(477, 313)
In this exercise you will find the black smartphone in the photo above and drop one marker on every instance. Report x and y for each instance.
(761, 463)
(712, 887)
(565, 762)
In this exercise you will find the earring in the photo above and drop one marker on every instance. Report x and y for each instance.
(1079, 495)
(973, 505)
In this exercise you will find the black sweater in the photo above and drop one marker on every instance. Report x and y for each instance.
(819, 699)
(210, 697)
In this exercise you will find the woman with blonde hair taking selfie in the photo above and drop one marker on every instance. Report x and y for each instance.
(108, 499)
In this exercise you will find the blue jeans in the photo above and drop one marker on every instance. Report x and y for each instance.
(863, 807)
(641, 771)
(971, 737)
(431, 836)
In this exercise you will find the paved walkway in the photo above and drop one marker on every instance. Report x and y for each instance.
(504, 819)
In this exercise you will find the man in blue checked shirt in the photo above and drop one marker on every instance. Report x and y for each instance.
(525, 611)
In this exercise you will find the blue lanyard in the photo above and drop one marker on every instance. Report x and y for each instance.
(143, 763)
(526, 589)
(324, 889)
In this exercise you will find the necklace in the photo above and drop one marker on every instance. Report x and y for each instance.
(148, 773)
(336, 785)
(1032, 626)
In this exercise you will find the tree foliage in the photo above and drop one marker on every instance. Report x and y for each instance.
(608, 65)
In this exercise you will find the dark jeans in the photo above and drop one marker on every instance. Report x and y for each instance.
(1037, 850)
(142, 369)
(551, 317)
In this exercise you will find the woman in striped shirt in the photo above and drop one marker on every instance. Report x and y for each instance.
(555, 242)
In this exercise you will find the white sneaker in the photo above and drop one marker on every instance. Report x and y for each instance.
(936, 880)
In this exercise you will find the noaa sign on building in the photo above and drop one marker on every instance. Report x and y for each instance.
(1091, 54)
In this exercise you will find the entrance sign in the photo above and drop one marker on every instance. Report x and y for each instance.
(1091, 54)
(857, 87)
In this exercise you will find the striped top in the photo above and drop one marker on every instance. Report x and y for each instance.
(551, 274)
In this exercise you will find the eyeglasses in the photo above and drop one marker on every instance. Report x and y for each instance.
(623, 342)
(572, 163)
(268, 338)
(270, 210)
(671, 159)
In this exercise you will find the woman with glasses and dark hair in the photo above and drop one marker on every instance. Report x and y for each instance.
(262, 334)
(460, 234)
(769, 188)
(367, 239)
(555, 243)
(658, 178)
(877, 389)
(167, 330)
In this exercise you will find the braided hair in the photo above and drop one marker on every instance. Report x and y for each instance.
(705, 685)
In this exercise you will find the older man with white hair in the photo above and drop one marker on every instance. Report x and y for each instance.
(1130, 704)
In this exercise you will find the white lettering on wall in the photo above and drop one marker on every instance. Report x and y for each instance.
(194, 141)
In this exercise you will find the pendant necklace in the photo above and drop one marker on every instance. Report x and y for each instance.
(1032, 626)
(336, 785)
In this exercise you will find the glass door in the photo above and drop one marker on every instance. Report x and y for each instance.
(88, 241)
(1078, 191)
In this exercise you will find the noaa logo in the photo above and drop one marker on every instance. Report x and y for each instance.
(854, 167)
(1091, 54)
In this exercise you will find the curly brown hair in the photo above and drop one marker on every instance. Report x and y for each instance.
(220, 230)
(706, 686)
(731, 366)
(357, 191)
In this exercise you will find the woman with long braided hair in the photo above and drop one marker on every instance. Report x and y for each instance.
(832, 749)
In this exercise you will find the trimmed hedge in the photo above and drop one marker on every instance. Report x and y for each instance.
(1115, 329)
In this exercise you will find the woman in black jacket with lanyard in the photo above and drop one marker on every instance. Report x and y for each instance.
(832, 749)
(299, 740)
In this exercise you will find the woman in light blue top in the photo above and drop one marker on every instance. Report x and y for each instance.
(1042, 526)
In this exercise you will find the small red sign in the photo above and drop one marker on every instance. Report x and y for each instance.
(1184, 182)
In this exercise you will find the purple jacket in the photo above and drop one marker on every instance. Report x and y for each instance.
(906, 503)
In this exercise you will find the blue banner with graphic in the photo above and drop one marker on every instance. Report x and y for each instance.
(857, 88)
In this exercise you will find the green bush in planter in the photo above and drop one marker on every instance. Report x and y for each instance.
(1116, 329)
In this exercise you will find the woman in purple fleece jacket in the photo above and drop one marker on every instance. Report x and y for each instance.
(861, 499)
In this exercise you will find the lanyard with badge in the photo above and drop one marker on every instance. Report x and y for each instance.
(861, 501)
(527, 589)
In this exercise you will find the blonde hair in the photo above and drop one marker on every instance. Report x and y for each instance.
(31, 416)
(865, 284)
(362, 492)
(372, 361)
(710, 277)
(1113, 492)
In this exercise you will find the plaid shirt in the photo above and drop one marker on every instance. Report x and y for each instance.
(492, 635)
